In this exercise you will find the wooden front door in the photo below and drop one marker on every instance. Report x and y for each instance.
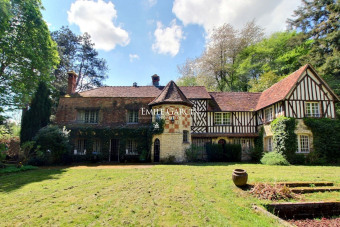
(114, 150)
(156, 150)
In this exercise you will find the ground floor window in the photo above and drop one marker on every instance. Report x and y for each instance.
(185, 136)
(269, 143)
(131, 147)
(80, 147)
(303, 144)
(96, 146)
(246, 143)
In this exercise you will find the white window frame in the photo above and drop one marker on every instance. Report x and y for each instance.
(312, 109)
(222, 118)
(270, 143)
(131, 147)
(96, 146)
(88, 116)
(81, 147)
(303, 144)
(132, 116)
(268, 113)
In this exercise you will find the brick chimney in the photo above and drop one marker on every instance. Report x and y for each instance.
(72, 81)
(155, 80)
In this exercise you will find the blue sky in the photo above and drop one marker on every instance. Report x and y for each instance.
(139, 38)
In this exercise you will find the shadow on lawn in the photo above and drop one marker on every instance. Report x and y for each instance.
(13, 181)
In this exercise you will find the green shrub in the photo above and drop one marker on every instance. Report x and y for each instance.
(298, 159)
(52, 143)
(13, 169)
(257, 153)
(224, 153)
(326, 140)
(274, 158)
(193, 153)
(171, 159)
(284, 137)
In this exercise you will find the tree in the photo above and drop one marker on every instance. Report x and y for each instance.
(27, 52)
(218, 61)
(319, 20)
(77, 53)
(278, 55)
(38, 115)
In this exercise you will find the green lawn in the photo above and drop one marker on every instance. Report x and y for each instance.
(164, 195)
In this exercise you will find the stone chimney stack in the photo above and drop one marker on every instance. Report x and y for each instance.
(155, 80)
(72, 81)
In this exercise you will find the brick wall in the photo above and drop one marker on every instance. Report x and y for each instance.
(112, 111)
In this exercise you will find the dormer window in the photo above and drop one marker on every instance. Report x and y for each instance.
(133, 116)
(312, 109)
(268, 114)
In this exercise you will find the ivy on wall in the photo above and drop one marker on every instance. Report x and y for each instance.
(284, 137)
(142, 135)
(326, 140)
(257, 152)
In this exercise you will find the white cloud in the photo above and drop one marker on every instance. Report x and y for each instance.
(270, 14)
(168, 39)
(133, 57)
(96, 18)
(152, 2)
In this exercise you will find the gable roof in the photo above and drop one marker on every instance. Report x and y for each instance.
(171, 94)
(280, 90)
(191, 92)
(235, 101)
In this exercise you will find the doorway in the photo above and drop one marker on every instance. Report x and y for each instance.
(156, 150)
(114, 150)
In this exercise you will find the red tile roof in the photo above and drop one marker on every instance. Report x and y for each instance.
(235, 101)
(171, 94)
(191, 92)
(280, 90)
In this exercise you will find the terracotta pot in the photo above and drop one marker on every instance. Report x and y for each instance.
(240, 177)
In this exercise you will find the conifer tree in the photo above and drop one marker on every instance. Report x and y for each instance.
(38, 115)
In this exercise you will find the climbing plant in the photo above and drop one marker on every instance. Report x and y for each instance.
(257, 153)
(326, 140)
(284, 137)
(142, 135)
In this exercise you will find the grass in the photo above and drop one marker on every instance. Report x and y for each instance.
(164, 195)
(13, 169)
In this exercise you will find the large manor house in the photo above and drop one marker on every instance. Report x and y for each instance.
(192, 115)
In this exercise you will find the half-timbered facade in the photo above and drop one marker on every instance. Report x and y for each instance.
(215, 117)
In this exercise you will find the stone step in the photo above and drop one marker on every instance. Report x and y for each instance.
(302, 190)
(305, 184)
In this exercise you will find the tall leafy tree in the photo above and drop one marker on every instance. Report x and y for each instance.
(319, 20)
(219, 60)
(264, 63)
(38, 114)
(27, 52)
(77, 53)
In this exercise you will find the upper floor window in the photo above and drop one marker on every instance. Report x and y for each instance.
(133, 116)
(131, 147)
(268, 113)
(222, 119)
(185, 136)
(88, 116)
(303, 144)
(312, 109)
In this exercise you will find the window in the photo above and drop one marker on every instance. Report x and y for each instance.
(303, 144)
(133, 116)
(131, 147)
(185, 136)
(312, 109)
(268, 114)
(222, 119)
(81, 147)
(269, 144)
(88, 116)
(96, 147)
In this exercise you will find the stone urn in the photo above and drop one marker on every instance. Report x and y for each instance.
(240, 177)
